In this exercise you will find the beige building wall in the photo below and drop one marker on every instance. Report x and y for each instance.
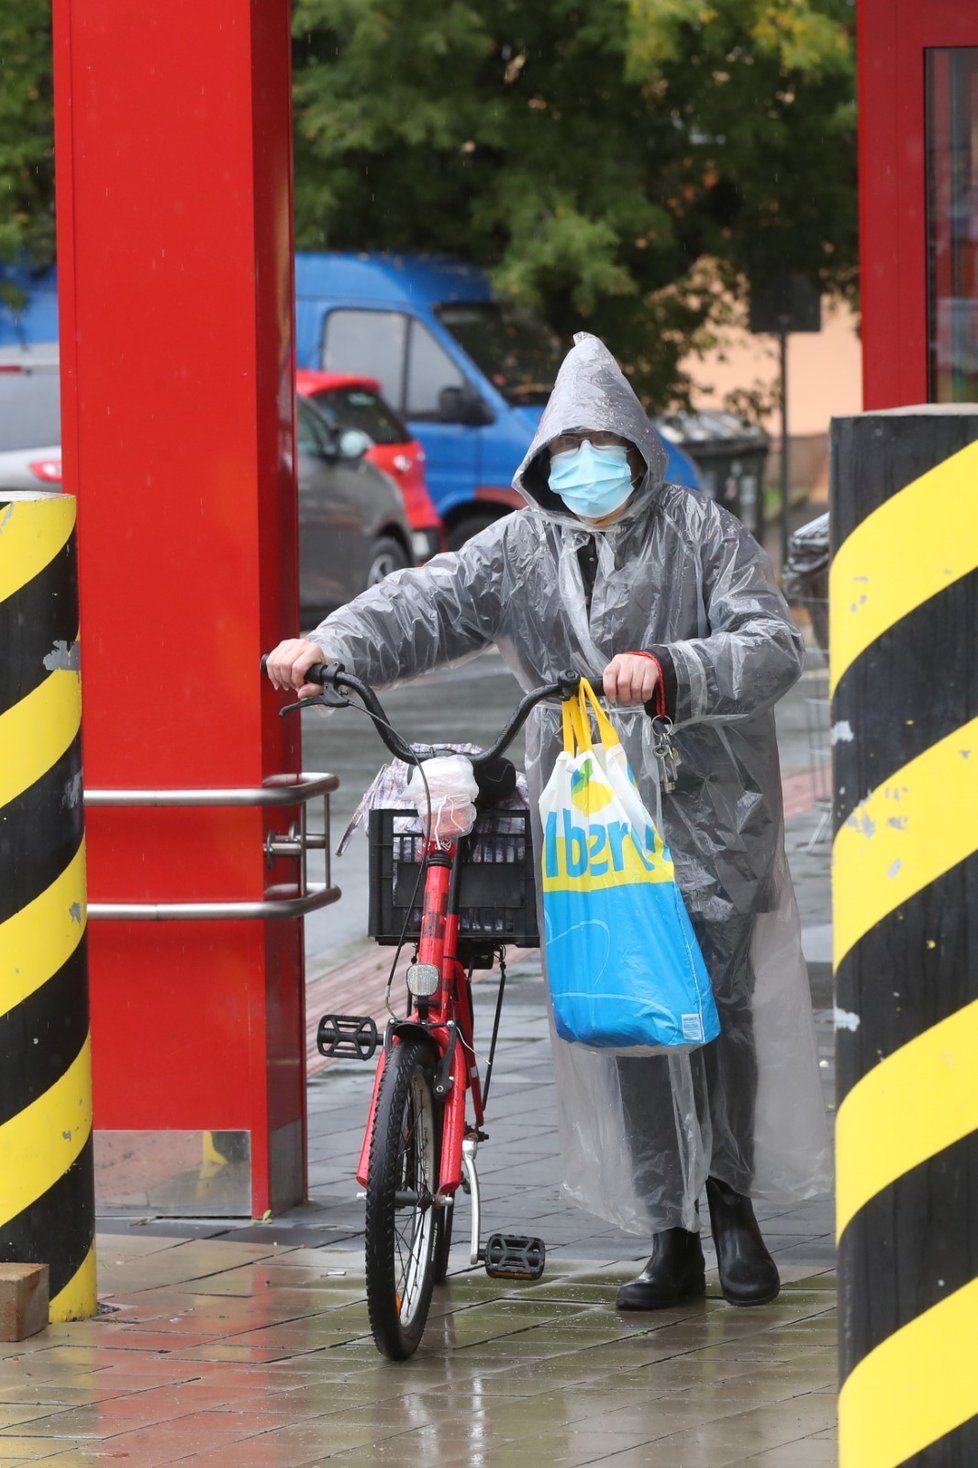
(824, 379)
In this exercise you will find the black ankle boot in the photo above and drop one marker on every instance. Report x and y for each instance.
(748, 1274)
(675, 1272)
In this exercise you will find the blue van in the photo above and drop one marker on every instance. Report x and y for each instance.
(28, 306)
(469, 373)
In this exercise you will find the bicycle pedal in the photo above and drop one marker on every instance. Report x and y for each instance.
(514, 1256)
(347, 1034)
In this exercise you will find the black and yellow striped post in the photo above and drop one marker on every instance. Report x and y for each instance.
(904, 672)
(47, 1208)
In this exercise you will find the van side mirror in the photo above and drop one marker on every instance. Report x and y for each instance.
(463, 405)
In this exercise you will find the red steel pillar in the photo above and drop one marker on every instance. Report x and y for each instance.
(173, 146)
(904, 157)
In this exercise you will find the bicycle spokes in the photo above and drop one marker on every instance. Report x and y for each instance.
(399, 1243)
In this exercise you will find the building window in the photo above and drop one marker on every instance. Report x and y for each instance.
(952, 224)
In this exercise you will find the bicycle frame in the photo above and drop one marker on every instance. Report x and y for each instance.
(446, 1018)
(428, 1067)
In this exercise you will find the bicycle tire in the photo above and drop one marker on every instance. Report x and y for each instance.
(400, 1227)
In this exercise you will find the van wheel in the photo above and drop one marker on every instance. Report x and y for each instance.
(464, 529)
(386, 555)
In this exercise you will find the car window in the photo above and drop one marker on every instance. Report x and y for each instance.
(30, 408)
(312, 435)
(370, 343)
(358, 407)
(430, 370)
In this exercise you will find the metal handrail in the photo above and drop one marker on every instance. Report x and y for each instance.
(281, 900)
(277, 790)
(272, 907)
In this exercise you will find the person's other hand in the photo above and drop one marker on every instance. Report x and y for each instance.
(288, 665)
(629, 678)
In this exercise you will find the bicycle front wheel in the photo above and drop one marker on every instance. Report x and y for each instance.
(401, 1184)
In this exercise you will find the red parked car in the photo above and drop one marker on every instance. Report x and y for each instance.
(352, 401)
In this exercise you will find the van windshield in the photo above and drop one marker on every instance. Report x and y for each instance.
(516, 350)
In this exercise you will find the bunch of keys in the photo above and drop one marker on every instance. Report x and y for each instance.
(666, 753)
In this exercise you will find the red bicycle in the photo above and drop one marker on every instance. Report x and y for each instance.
(459, 904)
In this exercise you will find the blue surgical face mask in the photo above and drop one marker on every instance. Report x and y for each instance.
(592, 482)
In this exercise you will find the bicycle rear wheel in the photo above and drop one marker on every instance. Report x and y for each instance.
(400, 1218)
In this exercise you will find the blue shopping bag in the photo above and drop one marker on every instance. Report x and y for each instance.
(624, 968)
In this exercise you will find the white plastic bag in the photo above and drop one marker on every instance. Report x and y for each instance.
(388, 791)
(444, 795)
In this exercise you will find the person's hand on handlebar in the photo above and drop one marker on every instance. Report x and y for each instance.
(288, 665)
(630, 677)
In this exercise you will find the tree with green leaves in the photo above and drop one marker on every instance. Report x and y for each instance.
(626, 166)
(26, 132)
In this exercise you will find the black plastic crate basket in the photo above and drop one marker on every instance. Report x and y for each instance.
(497, 899)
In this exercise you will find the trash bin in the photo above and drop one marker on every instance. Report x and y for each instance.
(730, 455)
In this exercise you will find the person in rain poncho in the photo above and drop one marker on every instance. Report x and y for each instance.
(666, 603)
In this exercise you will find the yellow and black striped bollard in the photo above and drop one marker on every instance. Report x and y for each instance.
(46, 1178)
(904, 672)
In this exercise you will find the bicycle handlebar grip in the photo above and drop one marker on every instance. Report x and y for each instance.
(318, 673)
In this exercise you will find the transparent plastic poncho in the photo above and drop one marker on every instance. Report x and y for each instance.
(677, 573)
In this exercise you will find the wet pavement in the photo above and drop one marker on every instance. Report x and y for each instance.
(248, 1346)
(248, 1355)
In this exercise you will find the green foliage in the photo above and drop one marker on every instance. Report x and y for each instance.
(762, 93)
(623, 167)
(26, 132)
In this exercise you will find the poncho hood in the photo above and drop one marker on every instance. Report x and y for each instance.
(591, 391)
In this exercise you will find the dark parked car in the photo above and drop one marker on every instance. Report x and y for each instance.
(353, 528)
(30, 418)
(349, 401)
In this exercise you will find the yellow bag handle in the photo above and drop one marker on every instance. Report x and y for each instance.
(582, 725)
(567, 723)
(588, 704)
(577, 732)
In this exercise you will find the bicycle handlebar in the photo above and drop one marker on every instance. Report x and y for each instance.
(332, 676)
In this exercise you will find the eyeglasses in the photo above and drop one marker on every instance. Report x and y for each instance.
(566, 443)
